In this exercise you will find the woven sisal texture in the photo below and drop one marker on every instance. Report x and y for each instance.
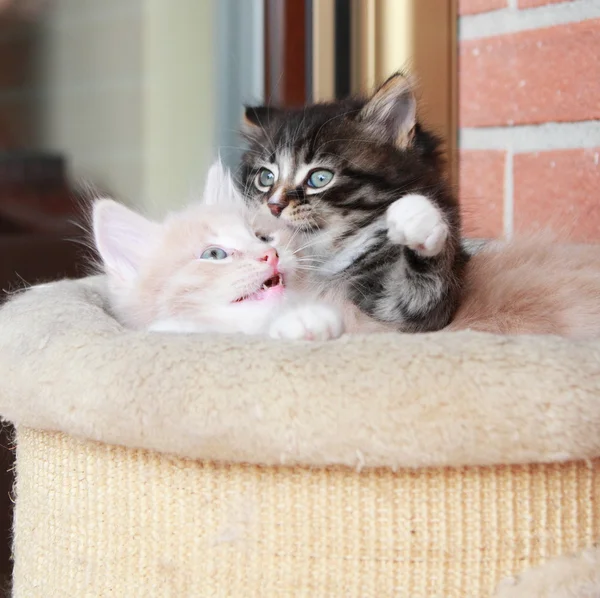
(94, 520)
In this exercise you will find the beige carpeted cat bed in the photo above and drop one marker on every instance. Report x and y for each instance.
(425, 466)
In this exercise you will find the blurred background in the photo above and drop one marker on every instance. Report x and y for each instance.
(134, 98)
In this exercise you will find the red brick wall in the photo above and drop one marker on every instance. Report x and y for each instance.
(529, 116)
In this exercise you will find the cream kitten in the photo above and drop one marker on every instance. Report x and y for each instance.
(208, 268)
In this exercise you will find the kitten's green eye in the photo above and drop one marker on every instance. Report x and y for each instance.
(319, 179)
(265, 179)
(214, 253)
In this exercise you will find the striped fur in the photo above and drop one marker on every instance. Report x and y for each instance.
(378, 154)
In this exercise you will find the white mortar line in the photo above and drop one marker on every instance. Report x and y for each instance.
(509, 207)
(511, 20)
(533, 138)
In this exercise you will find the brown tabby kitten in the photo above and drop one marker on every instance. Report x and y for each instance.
(362, 185)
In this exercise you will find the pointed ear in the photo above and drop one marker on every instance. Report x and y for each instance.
(256, 119)
(215, 179)
(220, 188)
(392, 111)
(123, 238)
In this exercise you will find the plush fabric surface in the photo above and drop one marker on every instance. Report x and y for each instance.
(98, 520)
(471, 459)
(385, 400)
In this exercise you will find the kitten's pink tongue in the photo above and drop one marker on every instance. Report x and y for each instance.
(269, 293)
(271, 288)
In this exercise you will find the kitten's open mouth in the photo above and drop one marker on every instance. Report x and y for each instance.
(270, 287)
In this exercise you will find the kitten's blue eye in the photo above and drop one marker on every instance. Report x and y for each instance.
(214, 253)
(265, 179)
(319, 179)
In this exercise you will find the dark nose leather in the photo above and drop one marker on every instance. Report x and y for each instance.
(277, 206)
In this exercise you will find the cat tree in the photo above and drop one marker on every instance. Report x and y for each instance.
(384, 465)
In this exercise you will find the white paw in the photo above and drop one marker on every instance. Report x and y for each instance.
(313, 322)
(414, 221)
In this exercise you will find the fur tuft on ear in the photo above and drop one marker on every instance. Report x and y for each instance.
(256, 118)
(123, 238)
(391, 113)
(220, 188)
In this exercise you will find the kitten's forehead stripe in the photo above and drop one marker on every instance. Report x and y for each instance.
(286, 166)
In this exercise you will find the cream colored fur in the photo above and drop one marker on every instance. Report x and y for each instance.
(535, 284)
(570, 576)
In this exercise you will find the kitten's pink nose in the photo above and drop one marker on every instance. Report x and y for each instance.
(270, 256)
(277, 204)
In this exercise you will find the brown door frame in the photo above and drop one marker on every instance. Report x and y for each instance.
(286, 38)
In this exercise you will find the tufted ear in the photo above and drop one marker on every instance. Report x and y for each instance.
(391, 113)
(257, 118)
(123, 238)
(220, 188)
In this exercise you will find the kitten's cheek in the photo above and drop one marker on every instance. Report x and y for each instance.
(414, 221)
(297, 218)
(289, 221)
